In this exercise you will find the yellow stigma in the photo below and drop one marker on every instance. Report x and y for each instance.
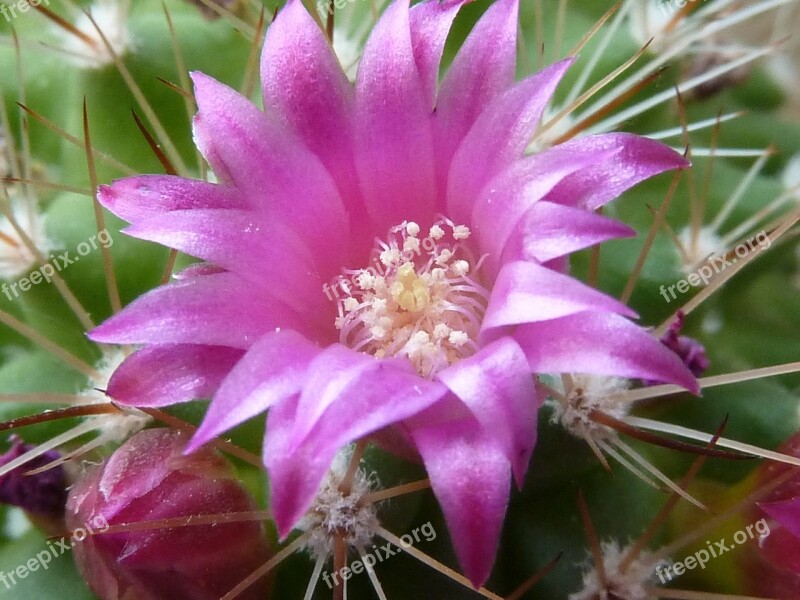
(409, 290)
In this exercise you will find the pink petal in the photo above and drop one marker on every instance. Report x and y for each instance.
(508, 197)
(273, 370)
(601, 344)
(269, 164)
(259, 250)
(483, 69)
(144, 196)
(498, 137)
(635, 160)
(341, 380)
(498, 387)
(471, 477)
(162, 375)
(304, 85)
(526, 292)
(367, 403)
(217, 310)
(785, 512)
(549, 231)
(394, 140)
(295, 476)
(430, 23)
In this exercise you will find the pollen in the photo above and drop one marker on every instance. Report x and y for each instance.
(421, 299)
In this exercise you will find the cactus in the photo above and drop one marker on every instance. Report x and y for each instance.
(624, 481)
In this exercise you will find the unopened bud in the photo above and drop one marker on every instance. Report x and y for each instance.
(771, 563)
(148, 479)
(43, 495)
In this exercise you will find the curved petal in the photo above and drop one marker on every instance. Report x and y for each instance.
(499, 136)
(367, 403)
(273, 370)
(217, 310)
(471, 478)
(498, 387)
(636, 159)
(267, 254)
(508, 197)
(526, 292)
(549, 231)
(303, 82)
(360, 393)
(394, 140)
(268, 163)
(304, 85)
(145, 196)
(295, 476)
(601, 344)
(483, 69)
(430, 23)
(162, 375)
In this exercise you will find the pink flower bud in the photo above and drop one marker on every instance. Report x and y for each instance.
(149, 479)
(42, 495)
(772, 564)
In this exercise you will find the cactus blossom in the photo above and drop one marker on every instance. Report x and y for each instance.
(384, 254)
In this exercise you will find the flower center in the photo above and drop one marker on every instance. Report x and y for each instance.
(419, 298)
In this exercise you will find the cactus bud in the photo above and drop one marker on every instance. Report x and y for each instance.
(149, 479)
(773, 564)
(43, 495)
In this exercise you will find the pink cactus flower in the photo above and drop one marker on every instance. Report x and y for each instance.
(384, 258)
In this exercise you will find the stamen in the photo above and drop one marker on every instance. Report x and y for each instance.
(419, 299)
